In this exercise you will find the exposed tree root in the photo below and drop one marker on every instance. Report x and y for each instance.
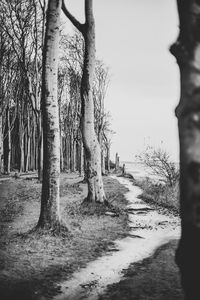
(59, 229)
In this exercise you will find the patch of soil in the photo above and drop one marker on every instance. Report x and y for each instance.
(30, 263)
(154, 278)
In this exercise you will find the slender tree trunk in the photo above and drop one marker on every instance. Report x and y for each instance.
(68, 152)
(28, 142)
(32, 148)
(61, 154)
(187, 52)
(108, 158)
(50, 203)
(21, 168)
(74, 156)
(21, 144)
(9, 141)
(40, 148)
(91, 145)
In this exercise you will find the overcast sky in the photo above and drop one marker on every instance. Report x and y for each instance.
(133, 38)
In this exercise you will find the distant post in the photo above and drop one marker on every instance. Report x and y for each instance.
(124, 169)
(116, 162)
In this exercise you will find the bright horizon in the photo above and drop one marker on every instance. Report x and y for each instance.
(133, 40)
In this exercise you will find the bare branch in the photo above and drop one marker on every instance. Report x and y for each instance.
(74, 21)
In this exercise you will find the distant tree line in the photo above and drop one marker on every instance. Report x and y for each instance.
(22, 30)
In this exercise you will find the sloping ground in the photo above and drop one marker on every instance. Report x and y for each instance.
(31, 264)
(155, 278)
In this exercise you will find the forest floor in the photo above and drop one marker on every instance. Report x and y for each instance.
(32, 265)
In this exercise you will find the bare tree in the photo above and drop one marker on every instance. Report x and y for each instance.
(187, 52)
(91, 145)
(50, 204)
(159, 163)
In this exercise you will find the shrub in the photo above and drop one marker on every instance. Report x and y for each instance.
(160, 164)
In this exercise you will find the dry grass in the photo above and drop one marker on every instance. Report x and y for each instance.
(31, 263)
(160, 195)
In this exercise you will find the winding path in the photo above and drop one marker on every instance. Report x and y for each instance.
(148, 231)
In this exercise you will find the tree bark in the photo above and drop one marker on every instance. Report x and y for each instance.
(50, 203)
(91, 145)
(187, 52)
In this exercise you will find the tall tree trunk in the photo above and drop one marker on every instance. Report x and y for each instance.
(40, 148)
(74, 156)
(28, 142)
(108, 157)
(21, 144)
(187, 52)
(90, 142)
(9, 140)
(32, 148)
(50, 203)
(61, 154)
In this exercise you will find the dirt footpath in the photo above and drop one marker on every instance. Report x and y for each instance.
(155, 278)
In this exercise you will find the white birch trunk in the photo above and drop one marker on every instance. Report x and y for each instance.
(50, 202)
(90, 142)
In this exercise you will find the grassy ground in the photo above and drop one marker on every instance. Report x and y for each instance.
(155, 278)
(31, 264)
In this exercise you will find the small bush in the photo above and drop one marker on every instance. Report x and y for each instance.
(159, 163)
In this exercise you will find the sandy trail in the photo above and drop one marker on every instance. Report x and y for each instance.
(148, 231)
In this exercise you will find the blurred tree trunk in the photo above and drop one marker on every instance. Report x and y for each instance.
(187, 52)
(90, 142)
(50, 202)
